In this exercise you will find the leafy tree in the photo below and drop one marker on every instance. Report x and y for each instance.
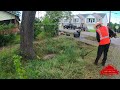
(68, 15)
(54, 18)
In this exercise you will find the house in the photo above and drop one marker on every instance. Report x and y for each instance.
(9, 17)
(86, 20)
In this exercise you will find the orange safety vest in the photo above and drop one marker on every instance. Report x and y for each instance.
(104, 35)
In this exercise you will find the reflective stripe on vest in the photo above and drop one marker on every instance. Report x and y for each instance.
(101, 37)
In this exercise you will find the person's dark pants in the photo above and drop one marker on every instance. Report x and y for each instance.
(102, 49)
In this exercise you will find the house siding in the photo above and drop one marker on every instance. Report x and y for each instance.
(83, 20)
(104, 20)
(76, 23)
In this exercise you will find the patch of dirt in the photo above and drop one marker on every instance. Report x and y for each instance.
(49, 56)
(91, 38)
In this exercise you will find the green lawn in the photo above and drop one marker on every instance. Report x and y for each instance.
(69, 61)
(92, 30)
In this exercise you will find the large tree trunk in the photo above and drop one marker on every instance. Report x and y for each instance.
(27, 34)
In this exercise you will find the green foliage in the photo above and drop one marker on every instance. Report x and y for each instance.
(47, 21)
(55, 16)
(37, 27)
(66, 64)
(49, 27)
(67, 14)
(6, 39)
(112, 26)
(6, 26)
(51, 21)
(18, 67)
(6, 60)
(83, 53)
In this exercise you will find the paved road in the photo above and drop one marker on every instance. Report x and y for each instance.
(115, 41)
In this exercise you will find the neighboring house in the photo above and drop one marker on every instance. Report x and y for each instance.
(9, 17)
(87, 20)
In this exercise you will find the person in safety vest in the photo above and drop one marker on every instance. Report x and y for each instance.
(103, 35)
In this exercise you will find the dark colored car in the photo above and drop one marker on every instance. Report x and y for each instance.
(69, 26)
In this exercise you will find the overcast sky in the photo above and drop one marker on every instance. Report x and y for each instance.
(115, 15)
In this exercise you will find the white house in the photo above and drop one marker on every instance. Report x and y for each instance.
(9, 17)
(87, 20)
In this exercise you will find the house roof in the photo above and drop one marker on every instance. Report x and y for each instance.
(84, 15)
(13, 13)
(100, 14)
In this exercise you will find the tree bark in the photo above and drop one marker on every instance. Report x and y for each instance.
(27, 35)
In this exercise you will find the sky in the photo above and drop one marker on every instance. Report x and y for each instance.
(115, 15)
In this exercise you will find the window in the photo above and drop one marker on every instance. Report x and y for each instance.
(76, 20)
(90, 20)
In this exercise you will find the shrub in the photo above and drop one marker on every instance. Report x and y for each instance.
(49, 27)
(20, 71)
(6, 26)
(6, 61)
(37, 29)
(6, 39)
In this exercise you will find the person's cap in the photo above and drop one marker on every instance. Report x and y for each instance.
(98, 23)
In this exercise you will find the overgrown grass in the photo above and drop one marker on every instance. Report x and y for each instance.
(66, 64)
(7, 68)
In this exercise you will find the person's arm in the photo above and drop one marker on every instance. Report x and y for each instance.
(97, 37)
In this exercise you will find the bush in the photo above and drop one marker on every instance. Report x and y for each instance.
(20, 71)
(6, 61)
(37, 29)
(49, 27)
(50, 30)
(6, 26)
(6, 39)
(42, 35)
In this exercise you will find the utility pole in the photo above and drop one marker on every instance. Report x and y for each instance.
(109, 18)
(38, 14)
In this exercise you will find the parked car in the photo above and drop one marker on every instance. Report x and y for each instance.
(69, 26)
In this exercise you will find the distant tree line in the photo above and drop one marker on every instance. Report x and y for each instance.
(112, 26)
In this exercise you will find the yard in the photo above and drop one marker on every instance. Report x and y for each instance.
(92, 30)
(57, 58)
